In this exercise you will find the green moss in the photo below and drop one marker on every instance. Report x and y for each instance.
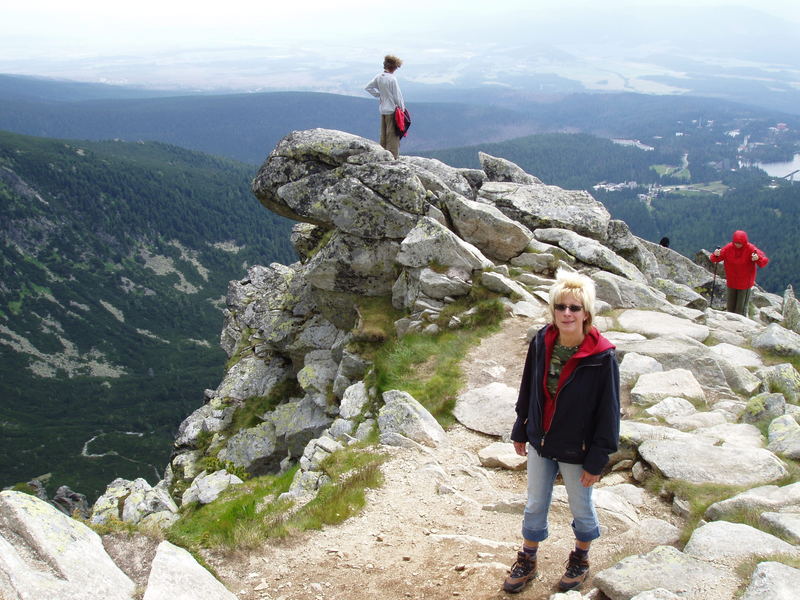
(755, 406)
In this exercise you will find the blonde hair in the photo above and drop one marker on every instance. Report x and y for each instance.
(391, 62)
(580, 286)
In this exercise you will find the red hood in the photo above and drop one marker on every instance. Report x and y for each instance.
(593, 342)
(740, 237)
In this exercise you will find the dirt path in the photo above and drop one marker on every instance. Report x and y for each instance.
(424, 534)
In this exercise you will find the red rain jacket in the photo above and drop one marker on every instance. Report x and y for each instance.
(740, 268)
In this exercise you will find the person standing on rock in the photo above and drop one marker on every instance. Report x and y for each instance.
(567, 422)
(740, 258)
(385, 87)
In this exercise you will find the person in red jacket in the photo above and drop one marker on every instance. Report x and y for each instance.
(740, 258)
(567, 422)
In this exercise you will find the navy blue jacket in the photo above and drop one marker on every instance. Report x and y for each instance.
(585, 425)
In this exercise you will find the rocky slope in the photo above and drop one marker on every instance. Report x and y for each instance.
(418, 235)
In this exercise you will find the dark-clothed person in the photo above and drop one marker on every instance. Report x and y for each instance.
(568, 416)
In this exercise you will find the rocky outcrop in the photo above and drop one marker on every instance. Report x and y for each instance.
(419, 237)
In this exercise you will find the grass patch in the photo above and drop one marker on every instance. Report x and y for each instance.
(429, 366)
(375, 326)
(699, 497)
(746, 568)
(246, 515)
(793, 475)
(238, 509)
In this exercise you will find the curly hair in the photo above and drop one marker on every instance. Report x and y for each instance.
(391, 62)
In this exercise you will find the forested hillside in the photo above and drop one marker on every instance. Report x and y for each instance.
(571, 161)
(114, 262)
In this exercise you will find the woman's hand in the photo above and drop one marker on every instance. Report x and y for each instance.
(521, 448)
(588, 480)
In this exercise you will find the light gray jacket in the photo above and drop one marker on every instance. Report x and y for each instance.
(385, 87)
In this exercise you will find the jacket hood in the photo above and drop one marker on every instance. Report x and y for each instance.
(593, 342)
(740, 237)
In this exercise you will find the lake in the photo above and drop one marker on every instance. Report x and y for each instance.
(781, 169)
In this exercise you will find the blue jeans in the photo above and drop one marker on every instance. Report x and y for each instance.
(541, 475)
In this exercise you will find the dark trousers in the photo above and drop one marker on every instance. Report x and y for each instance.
(738, 301)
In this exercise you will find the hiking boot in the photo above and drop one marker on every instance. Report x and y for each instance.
(577, 568)
(522, 572)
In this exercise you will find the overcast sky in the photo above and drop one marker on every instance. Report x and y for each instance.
(92, 27)
(41, 37)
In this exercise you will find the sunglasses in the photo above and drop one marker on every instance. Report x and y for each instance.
(572, 307)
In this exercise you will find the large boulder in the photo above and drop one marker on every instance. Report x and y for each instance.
(757, 500)
(654, 324)
(621, 292)
(631, 248)
(437, 177)
(430, 242)
(673, 266)
(791, 310)
(773, 580)
(501, 169)
(778, 340)
(402, 414)
(784, 437)
(712, 541)
(676, 383)
(590, 251)
(47, 555)
(485, 227)
(176, 575)
(207, 487)
(667, 568)
(698, 461)
(782, 379)
(488, 409)
(541, 206)
(355, 265)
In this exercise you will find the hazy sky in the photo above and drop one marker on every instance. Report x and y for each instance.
(35, 28)
(50, 37)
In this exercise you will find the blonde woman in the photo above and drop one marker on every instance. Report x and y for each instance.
(567, 422)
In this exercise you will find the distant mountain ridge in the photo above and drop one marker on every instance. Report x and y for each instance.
(242, 126)
(114, 260)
